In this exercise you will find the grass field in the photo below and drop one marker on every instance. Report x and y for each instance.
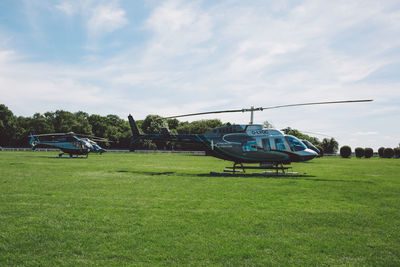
(162, 209)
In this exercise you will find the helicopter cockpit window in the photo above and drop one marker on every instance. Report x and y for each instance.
(279, 144)
(295, 143)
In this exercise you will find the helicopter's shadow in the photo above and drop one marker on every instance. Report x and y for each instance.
(304, 177)
(47, 157)
(149, 173)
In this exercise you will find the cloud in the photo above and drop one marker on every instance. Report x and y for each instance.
(67, 7)
(100, 17)
(365, 133)
(105, 19)
(178, 29)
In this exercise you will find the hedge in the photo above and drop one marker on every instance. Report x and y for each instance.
(359, 151)
(368, 152)
(345, 151)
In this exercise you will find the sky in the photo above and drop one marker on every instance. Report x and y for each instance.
(175, 57)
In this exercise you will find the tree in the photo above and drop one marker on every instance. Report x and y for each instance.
(369, 152)
(359, 151)
(23, 128)
(7, 126)
(198, 127)
(330, 146)
(99, 125)
(154, 124)
(82, 125)
(388, 153)
(380, 152)
(37, 124)
(173, 124)
(64, 121)
(345, 151)
(396, 152)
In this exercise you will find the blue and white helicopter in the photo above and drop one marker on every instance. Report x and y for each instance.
(68, 143)
(245, 143)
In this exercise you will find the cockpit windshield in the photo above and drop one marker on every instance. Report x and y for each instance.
(295, 143)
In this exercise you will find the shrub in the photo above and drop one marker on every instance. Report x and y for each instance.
(397, 152)
(380, 151)
(359, 151)
(388, 153)
(345, 151)
(368, 152)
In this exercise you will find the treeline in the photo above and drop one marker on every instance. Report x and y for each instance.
(15, 130)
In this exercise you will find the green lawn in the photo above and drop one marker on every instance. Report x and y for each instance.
(162, 209)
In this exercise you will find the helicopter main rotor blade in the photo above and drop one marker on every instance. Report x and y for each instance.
(263, 108)
(318, 103)
(52, 134)
(209, 112)
(91, 136)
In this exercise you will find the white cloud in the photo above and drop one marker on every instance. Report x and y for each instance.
(67, 7)
(100, 17)
(365, 133)
(105, 19)
(178, 29)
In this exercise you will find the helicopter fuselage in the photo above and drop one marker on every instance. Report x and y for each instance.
(245, 144)
(68, 144)
(255, 144)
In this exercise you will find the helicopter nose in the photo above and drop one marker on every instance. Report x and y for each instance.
(309, 154)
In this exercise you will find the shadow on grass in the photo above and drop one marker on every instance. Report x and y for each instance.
(303, 177)
(149, 173)
(56, 157)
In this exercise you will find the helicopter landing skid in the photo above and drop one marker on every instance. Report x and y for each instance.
(234, 170)
(71, 156)
(277, 169)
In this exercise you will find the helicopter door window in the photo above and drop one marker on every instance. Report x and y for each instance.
(266, 144)
(249, 146)
(279, 144)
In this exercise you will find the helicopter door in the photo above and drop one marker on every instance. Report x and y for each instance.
(265, 144)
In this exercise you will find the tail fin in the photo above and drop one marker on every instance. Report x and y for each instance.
(134, 128)
(33, 141)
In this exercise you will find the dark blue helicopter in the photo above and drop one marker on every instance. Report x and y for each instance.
(68, 143)
(250, 143)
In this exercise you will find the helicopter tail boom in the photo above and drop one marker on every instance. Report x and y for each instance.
(134, 128)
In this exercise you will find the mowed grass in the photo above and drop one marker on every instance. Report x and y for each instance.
(165, 209)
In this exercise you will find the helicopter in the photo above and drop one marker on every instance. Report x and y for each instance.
(245, 143)
(69, 143)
